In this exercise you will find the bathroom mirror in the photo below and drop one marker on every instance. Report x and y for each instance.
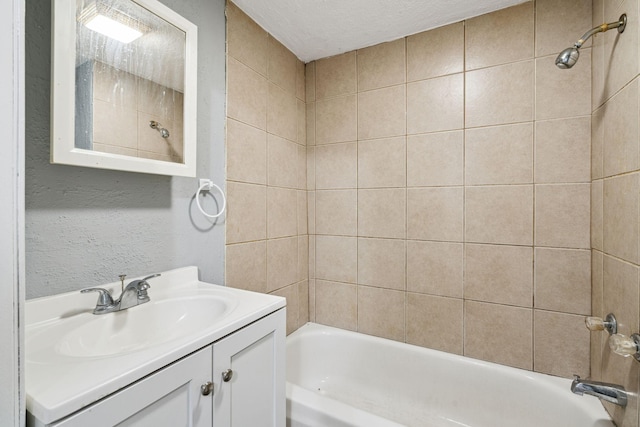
(123, 86)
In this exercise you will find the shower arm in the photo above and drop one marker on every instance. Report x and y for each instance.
(620, 25)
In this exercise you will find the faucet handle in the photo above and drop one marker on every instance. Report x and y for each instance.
(104, 299)
(625, 346)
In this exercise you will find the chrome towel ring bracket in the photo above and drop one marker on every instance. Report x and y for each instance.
(208, 185)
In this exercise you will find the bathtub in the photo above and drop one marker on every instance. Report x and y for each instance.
(337, 378)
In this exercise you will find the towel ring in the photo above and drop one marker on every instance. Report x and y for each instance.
(207, 185)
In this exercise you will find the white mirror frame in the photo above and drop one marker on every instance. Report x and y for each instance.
(63, 71)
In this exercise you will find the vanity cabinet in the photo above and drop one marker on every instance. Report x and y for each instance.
(246, 370)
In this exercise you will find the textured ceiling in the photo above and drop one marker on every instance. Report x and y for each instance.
(314, 29)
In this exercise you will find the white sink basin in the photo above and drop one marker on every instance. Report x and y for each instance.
(138, 328)
(141, 327)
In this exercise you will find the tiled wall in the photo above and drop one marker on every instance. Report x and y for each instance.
(615, 189)
(267, 239)
(449, 178)
(121, 97)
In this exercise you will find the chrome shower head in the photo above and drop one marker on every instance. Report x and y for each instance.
(569, 56)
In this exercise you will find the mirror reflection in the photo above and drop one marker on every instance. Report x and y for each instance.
(130, 79)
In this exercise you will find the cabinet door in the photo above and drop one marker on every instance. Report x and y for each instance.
(171, 397)
(254, 395)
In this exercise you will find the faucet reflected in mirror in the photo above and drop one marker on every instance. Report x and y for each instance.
(135, 293)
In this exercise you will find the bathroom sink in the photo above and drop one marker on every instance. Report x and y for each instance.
(142, 326)
(85, 335)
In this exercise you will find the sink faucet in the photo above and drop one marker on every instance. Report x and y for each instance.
(135, 293)
(613, 393)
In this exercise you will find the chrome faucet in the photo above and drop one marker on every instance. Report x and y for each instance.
(613, 393)
(135, 293)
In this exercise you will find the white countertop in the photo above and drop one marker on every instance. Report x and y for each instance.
(58, 384)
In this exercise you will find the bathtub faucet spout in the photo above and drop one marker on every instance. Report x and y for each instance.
(613, 393)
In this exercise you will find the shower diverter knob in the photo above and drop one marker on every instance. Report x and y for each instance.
(598, 324)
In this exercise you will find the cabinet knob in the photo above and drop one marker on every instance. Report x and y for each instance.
(227, 375)
(206, 388)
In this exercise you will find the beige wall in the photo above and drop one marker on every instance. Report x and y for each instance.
(132, 102)
(615, 189)
(267, 239)
(449, 177)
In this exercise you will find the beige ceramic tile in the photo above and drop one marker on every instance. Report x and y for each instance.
(512, 346)
(620, 216)
(336, 166)
(499, 214)
(337, 258)
(282, 68)
(246, 153)
(247, 93)
(436, 104)
(381, 263)
(311, 168)
(155, 99)
(336, 120)
(381, 213)
(499, 274)
(114, 86)
(310, 122)
(597, 340)
(246, 41)
(598, 96)
(303, 225)
(310, 81)
(282, 263)
(311, 212)
(563, 280)
(282, 213)
(381, 312)
(302, 122)
(337, 212)
(291, 295)
(381, 65)
(562, 216)
(597, 144)
(551, 81)
(597, 214)
(125, 135)
(554, 32)
(622, 131)
(436, 52)
(499, 155)
(435, 213)
(381, 113)
(552, 355)
(499, 37)
(282, 113)
(435, 268)
(302, 167)
(336, 75)
(312, 300)
(312, 257)
(563, 151)
(426, 155)
(246, 215)
(621, 62)
(336, 304)
(620, 293)
(303, 258)
(500, 95)
(300, 81)
(382, 163)
(303, 303)
(115, 150)
(246, 266)
(282, 162)
(435, 322)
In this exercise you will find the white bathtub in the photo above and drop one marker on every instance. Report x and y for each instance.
(337, 378)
